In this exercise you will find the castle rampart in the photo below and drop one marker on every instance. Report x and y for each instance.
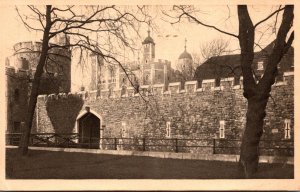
(192, 113)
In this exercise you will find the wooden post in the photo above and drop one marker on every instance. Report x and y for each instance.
(47, 141)
(55, 139)
(214, 146)
(90, 142)
(144, 144)
(176, 145)
(116, 144)
(101, 137)
(31, 140)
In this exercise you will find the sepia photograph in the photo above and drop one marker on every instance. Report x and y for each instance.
(138, 93)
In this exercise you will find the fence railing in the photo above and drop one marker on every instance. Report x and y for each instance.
(208, 146)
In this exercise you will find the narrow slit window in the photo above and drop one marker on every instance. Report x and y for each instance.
(222, 129)
(124, 130)
(260, 65)
(168, 129)
(287, 128)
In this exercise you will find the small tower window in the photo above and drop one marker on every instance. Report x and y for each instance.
(260, 65)
(287, 128)
(222, 129)
(168, 129)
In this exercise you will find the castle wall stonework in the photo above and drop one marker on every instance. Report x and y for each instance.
(193, 113)
(20, 70)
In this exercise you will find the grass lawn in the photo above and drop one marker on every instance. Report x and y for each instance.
(68, 165)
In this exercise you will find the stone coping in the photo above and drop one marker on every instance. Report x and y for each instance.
(190, 82)
(227, 79)
(289, 73)
(174, 84)
(158, 85)
(208, 81)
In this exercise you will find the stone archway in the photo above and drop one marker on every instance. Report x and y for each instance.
(88, 126)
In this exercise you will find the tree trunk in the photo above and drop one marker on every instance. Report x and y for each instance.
(257, 95)
(249, 155)
(35, 86)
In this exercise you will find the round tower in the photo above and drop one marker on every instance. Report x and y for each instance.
(57, 71)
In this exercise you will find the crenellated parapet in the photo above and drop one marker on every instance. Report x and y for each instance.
(22, 48)
(13, 72)
(27, 46)
(158, 90)
(23, 64)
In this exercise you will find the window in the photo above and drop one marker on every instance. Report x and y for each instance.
(17, 95)
(168, 129)
(222, 129)
(124, 130)
(260, 65)
(287, 128)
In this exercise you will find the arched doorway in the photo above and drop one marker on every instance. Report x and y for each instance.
(89, 130)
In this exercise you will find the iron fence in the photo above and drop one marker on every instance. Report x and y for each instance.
(211, 146)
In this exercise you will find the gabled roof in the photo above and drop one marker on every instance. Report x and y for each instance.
(229, 65)
(219, 67)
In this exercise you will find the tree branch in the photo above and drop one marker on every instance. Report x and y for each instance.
(201, 23)
(268, 17)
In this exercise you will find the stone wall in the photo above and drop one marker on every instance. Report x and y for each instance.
(16, 93)
(58, 65)
(20, 69)
(193, 113)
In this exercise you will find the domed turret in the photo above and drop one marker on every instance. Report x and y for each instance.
(185, 54)
(149, 49)
(185, 64)
(148, 39)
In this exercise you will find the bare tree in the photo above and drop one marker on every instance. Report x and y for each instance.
(209, 50)
(209, 54)
(90, 28)
(214, 48)
(257, 93)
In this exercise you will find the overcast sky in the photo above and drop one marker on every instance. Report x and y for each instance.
(169, 38)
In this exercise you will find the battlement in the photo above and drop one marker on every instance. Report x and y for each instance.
(27, 46)
(36, 46)
(16, 72)
(174, 88)
(163, 61)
